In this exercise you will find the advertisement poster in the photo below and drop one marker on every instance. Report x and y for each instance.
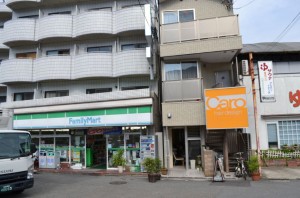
(266, 81)
(147, 145)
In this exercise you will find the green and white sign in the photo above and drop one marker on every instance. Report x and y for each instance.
(128, 116)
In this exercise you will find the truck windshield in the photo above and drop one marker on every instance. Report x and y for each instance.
(13, 145)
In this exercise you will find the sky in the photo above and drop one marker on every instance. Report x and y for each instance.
(265, 20)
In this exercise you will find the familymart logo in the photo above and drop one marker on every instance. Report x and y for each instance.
(85, 121)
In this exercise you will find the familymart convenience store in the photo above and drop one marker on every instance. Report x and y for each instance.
(62, 136)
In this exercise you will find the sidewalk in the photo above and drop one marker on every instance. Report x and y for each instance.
(281, 173)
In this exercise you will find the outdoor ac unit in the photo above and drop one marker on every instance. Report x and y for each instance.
(245, 67)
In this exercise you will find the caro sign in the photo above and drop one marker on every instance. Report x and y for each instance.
(226, 108)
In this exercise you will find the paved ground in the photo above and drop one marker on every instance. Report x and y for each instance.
(281, 173)
(54, 185)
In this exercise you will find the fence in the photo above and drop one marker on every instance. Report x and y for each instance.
(273, 154)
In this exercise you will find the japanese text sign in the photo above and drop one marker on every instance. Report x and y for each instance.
(226, 108)
(265, 71)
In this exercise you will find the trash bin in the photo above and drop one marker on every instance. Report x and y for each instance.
(193, 164)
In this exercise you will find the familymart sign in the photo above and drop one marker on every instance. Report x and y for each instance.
(87, 118)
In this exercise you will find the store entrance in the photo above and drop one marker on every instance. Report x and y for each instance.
(178, 148)
(96, 151)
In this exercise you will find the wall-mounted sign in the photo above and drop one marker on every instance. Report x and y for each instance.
(226, 108)
(295, 98)
(105, 131)
(265, 71)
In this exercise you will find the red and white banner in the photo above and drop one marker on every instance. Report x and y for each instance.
(266, 81)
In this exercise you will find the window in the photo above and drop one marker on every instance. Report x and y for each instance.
(133, 46)
(2, 99)
(98, 90)
(29, 17)
(99, 49)
(63, 12)
(104, 8)
(180, 71)
(60, 93)
(178, 16)
(1, 61)
(62, 52)
(289, 132)
(133, 5)
(134, 87)
(23, 96)
(31, 55)
(272, 135)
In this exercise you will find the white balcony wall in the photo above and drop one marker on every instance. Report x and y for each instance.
(92, 65)
(52, 68)
(19, 30)
(2, 46)
(131, 62)
(54, 26)
(19, 1)
(128, 19)
(16, 70)
(4, 8)
(93, 22)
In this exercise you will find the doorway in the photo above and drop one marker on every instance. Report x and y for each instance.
(178, 147)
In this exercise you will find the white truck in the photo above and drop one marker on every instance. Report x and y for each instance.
(16, 161)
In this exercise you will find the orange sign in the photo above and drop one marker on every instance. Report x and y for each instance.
(226, 108)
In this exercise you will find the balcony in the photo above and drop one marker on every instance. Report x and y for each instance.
(18, 4)
(52, 68)
(19, 31)
(85, 23)
(129, 19)
(79, 99)
(5, 12)
(2, 46)
(54, 26)
(130, 62)
(201, 36)
(16, 70)
(92, 65)
(182, 90)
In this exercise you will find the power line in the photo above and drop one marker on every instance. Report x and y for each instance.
(244, 5)
(144, 12)
(288, 28)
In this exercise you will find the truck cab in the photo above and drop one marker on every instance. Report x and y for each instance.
(16, 161)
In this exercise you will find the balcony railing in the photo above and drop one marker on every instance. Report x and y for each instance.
(182, 90)
(83, 98)
(200, 29)
(16, 70)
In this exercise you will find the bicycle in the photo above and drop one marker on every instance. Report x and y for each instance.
(240, 169)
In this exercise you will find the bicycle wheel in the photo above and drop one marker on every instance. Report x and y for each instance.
(245, 174)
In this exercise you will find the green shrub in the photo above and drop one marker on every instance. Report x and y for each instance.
(118, 158)
(152, 165)
(253, 165)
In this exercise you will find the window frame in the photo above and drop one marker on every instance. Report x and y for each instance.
(177, 11)
(277, 133)
(67, 12)
(135, 46)
(56, 93)
(134, 87)
(58, 52)
(23, 95)
(99, 47)
(180, 62)
(106, 88)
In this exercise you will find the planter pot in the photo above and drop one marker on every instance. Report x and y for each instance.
(255, 176)
(158, 176)
(152, 178)
(120, 169)
(164, 171)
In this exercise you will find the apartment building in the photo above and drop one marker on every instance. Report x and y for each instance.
(5, 15)
(81, 76)
(199, 42)
(276, 75)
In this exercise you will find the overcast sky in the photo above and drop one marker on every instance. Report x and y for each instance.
(264, 20)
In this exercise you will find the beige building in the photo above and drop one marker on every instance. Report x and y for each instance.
(199, 41)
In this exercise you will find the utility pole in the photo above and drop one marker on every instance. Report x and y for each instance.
(251, 65)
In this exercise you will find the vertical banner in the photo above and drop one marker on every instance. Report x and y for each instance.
(226, 108)
(265, 71)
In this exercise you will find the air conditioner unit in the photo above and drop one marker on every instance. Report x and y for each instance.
(245, 67)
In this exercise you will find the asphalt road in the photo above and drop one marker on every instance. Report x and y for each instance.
(49, 185)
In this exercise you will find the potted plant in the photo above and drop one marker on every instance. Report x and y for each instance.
(152, 166)
(119, 160)
(164, 170)
(253, 167)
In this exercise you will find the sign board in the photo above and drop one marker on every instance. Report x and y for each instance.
(226, 108)
(266, 81)
(105, 131)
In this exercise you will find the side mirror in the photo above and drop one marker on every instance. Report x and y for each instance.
(33, 148)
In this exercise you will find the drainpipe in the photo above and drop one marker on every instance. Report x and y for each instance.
(255, 109)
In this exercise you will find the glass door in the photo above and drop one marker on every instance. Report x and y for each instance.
(193, 147)
(62, 147)
(133, 151)
(114, 143)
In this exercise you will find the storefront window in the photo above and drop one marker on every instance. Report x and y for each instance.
(133, 151)
(289, 132)
(62, 148)
(114, 143)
